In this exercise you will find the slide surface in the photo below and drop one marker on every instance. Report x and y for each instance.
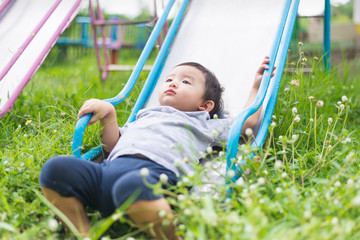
(231, 38)
(28, 30)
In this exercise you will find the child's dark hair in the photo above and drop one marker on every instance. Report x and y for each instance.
(213, 89)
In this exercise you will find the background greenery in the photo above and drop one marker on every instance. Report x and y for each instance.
(304, 183)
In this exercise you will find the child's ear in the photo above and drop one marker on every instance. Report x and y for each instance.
(208, 105)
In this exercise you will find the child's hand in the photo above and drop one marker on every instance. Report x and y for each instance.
(260, 72)
(100, 110)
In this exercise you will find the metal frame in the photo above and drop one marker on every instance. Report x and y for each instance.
(283, 38)
(44, 50)
(327, 40)
(98, 21)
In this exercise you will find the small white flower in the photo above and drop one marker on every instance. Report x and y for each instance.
(344, 98)
(280, 138)
(278, 190)
(231, 173)
(240, 182)
(295, 137)
(273, 117)
(252, 186)
(350, 182)
(203, 155)
(144, 172)
(295, 82)
(339, 102)
(215, 133)
(187, 212)
(52, 225)
(265, 172)
(273, 124)
(284, 175)
(216, 116)
(248, 132)
(262, 201)
(209, 150)
(330, 120)
(337, 184)
(278, 164)
(342, 106)
(311, 119)
(177, 163)
(297, 118)
(356, 200)
(347, 140)
(25, 135)
(181, 197)
(261, 180)
(162, 213)
(320, 103)
(221, 153)
(163, 178)
(307, 214)
(334, 220)
(286, 89)
(294, 110)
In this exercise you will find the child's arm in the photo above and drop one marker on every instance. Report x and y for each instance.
(252, 120)
(105, 112)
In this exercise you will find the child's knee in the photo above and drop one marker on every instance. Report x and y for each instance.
(54, 169)
(132, 185)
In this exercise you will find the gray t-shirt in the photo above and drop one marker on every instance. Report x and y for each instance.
(171, 138)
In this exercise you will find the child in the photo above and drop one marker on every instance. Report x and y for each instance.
(166, 139)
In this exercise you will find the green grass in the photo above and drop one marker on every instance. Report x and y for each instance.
(304, 183)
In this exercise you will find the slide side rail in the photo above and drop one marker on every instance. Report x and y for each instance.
(83, 121)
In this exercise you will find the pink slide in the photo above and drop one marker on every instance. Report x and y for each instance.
(28, 30)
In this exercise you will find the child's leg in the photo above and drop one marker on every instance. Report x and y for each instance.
(69, 183)
(72, 208)
(144, 212)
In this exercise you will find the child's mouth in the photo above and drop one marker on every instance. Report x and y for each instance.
(170, 92)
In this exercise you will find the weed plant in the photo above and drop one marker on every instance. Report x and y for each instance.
(303, 184)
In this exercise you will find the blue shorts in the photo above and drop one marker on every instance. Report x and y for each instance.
(103, 186)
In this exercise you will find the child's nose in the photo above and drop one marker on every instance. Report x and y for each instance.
(173, 84)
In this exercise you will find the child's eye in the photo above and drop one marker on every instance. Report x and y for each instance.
(168, 80)
(186, 82)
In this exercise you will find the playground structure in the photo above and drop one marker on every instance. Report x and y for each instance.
(273, 23)
(201, 23)
(109, 36)
(107, 58)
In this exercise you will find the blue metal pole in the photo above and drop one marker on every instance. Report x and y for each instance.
(235, 130)
(327, 44)
(158, 64)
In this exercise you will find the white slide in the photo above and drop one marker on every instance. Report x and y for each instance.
(231, 38)
(28, 30)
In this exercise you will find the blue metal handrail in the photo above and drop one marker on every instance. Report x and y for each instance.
(83, 121)
(158, 64)
(327, 43)
(281, 59)
(235, 130)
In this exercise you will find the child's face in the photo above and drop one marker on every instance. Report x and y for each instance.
(183, 89)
